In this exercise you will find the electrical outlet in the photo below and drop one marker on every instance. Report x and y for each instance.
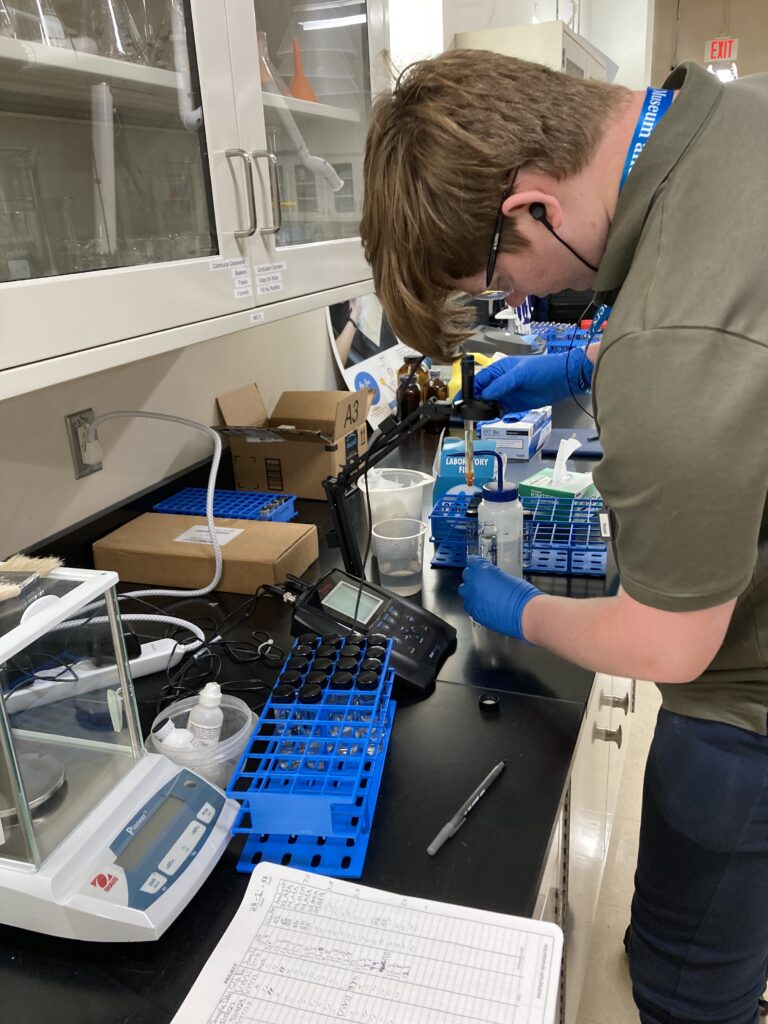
(77, 425)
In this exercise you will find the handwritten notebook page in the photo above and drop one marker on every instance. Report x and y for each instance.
(304, 949)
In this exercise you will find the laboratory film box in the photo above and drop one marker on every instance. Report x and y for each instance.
(521, 435)
(309, 436)
(175, 551)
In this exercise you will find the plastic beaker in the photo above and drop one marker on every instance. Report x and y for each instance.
(399, 547)
(395, 493)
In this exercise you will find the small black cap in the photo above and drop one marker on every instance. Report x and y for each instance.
(283, 694)
(371, 665)
(351, 651)
(302, 651)
(332, 639)
(354, 637)
(326, 651)
(347, 664)
(341, 681)
(310, 639)
(367, 681)
(298, 664)
(310, 694)
(488, 702)
(377, 639)
(293, 679)
(318, 679)
(322, 665)
(376, 652)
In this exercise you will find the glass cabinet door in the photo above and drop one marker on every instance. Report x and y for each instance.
(107, 119)
(314, 78)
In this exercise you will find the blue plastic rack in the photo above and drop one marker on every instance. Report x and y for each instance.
(278, 508)
(564, 535)
(308, 781)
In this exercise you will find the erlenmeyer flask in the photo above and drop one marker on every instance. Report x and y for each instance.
(112, 26)
(271, 81)
(6, 22)
(38, 21)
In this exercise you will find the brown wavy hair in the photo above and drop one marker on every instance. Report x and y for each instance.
(440, 150)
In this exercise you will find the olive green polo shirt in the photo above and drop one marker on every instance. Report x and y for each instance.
(681, 382)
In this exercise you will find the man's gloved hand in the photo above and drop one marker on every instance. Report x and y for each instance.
(495, 599)
(519, 383)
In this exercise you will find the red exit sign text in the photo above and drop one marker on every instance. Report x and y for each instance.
(721, 49)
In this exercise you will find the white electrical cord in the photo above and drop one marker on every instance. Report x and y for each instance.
(92, 455)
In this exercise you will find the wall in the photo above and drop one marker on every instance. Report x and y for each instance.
(40, 494)
(700, 20)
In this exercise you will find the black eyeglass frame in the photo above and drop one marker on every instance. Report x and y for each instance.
(498, 228)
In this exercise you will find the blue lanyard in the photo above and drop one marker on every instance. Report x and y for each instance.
(657, 103)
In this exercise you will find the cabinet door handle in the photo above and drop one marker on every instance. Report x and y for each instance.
(250, 195)
(609, 735)
(274, 183)
(609, 701)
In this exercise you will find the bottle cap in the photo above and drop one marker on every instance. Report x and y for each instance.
(350, 651)
(302, 651)
(290, 678)
(317, 679)
(354, 637)
(377, 639)
(299, 664)
(341, 681)
(322, 665)
(367, 681)
(491, 492)
(371, 665)
(347, 664)
(307, 638)
(283, 694)
(488, 702)
(376, 652)
(310, 694)
(331, 639)
(163, 728)
(210, 696)
(326, 651)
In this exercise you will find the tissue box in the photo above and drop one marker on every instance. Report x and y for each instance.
(450, 463)
(576, 485)
(519, 436)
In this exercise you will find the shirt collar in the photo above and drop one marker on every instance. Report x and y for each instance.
(700, 92)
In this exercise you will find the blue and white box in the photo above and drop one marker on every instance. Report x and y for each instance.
(450, 466)
(519, 435)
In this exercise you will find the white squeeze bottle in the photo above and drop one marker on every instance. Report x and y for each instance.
(503, 508)
(206, 717)
(170, 737)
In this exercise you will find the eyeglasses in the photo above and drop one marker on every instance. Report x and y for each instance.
(498, 227)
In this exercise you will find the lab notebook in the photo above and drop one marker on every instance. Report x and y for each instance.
(304, 949)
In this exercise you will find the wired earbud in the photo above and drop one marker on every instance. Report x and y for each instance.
(539, 212)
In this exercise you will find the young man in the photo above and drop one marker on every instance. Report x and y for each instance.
(674, 239)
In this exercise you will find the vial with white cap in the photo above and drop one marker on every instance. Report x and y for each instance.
(206, 717)
(502, 508)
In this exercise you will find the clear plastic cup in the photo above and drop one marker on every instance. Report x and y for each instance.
(395, 493)
(399, 548)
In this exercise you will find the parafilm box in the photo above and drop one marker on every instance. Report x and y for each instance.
(519, 435)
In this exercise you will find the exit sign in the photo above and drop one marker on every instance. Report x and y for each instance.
(721, 49)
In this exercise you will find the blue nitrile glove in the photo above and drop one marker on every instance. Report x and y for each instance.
(519, 383)
(495, 599)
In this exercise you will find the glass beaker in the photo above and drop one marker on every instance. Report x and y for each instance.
(25, 250)
(271, 80)
(110, 24)
(6, 21)
(38, 21)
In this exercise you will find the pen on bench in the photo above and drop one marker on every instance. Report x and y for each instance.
(460, 816)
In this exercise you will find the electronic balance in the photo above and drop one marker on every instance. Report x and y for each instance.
(99, 840)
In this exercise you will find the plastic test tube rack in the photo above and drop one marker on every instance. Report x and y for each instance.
(308, 781)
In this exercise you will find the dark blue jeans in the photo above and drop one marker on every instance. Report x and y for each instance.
(698, 948)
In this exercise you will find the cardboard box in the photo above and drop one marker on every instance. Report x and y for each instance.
(309, 436)
(175, 551)
(519, 436)
(576, 485)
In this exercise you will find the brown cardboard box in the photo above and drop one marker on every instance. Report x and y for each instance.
(308, 437)
(148, 550)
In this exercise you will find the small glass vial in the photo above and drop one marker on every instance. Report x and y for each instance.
(408, 396)
(487, 538)
(528, 534)
(471, 531)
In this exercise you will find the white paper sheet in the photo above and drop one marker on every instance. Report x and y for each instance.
(304, 949)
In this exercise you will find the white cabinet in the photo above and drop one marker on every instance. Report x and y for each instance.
(588, 818)
(548, 42)
(154, 173)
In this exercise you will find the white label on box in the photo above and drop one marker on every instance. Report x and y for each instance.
(268, 268)
(219, 264)
(243, 293)
(509, 443)
(241, 272)
(19, 270)
(199, 535)
(257, 317)
(269, 289)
